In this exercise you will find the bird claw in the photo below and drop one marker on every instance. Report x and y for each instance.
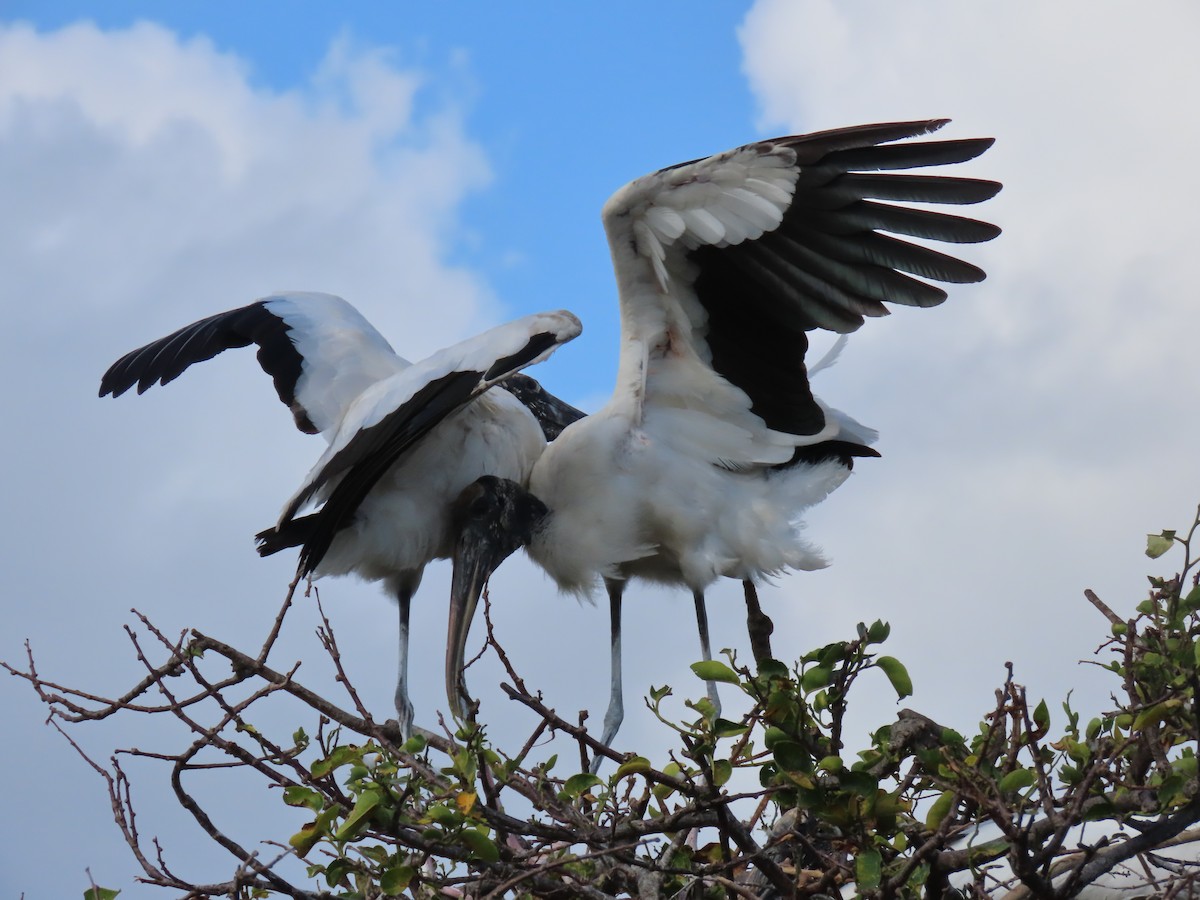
(612, 724)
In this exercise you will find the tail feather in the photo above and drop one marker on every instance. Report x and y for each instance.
(295, 533)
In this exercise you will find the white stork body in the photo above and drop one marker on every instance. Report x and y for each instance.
(404, 440)
(713, 445)
(629, 500)
(405, 522)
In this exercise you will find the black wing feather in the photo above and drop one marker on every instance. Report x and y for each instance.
(365, 459)
(164, 360)
(828, 265)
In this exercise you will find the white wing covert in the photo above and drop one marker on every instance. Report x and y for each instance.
(319, 350)
(725, 263)
(392, 416)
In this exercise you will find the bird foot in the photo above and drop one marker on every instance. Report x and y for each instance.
(404, 716)
(612, 724)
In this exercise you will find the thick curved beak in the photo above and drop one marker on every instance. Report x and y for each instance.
(475, 558)
(552, 414)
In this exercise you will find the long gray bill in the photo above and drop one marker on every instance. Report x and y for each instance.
(473, 564)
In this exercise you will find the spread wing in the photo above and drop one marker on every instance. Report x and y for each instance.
(725, 263)
(318, 349)
(393, 415)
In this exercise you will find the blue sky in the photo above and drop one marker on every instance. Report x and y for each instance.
(443, 167)
(539, 88)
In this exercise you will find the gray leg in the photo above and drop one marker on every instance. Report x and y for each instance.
(705, 649)
(616, 704)
(404, 707)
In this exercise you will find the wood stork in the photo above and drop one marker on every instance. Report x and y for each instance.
(713, 444)
(404, 440)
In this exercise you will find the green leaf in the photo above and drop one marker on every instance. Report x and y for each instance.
(715, 670)
(297, 795)
(1186, 766)
(308, 836)
(1154, 714)
(1158, 544)
(939, 810)
(781, 707)
(773, 736)
(815, 678)
(723, 728)
(99, 893)
(830, 764)
(395, 881)
(862, 783)
(337, 872)
(704, 706)
(443, 815)
(1170, 789)
(878, 632)
(577, 784)
(663, 791)
(339, 757)
(722, 769)
(633, 767)
(868, 871)
(952, 738)
(897, 675)
(1191, 602)
(791, 757)
(1016, 780)
(1041, 717)
(415, 744)
(376, 854)
(359, 816)
(832, 654)
(481, 846)
(773, 668)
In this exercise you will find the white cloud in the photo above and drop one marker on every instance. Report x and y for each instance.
(146, 182)
(155, 167)
(1034, 427)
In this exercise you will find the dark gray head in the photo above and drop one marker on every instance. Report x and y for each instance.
(552, 414)
(492, 517)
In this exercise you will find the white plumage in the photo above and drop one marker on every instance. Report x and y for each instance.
(404, 440)
(712, 444)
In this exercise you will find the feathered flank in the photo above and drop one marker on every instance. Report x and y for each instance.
(393, 415)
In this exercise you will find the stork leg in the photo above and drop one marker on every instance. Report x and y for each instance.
(616, 703)
(758, 624)
(705, 648)
(404, 707)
